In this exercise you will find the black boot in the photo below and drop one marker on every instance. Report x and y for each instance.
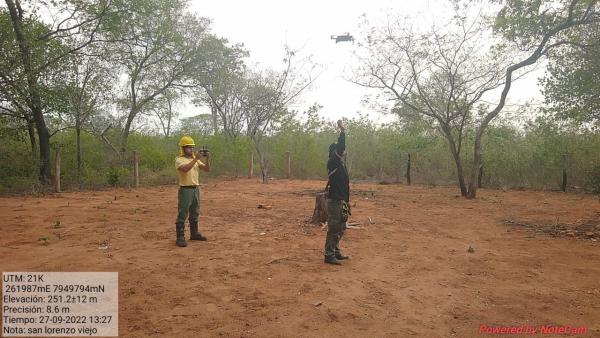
(195, 235)
(332, 260)
(339, 256)
(180, 235)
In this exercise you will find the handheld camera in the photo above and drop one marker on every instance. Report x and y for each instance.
(204, 151)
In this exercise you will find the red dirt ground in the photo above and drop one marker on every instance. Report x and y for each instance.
(261, 272)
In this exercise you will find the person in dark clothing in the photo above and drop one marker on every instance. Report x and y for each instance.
(338, 188)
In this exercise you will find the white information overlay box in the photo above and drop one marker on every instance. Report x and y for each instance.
(60, 304)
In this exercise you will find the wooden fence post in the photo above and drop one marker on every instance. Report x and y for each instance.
(480, 176)
(288, 156)
(564, 176)
(251, 164)
(136, 168)
(57, 169)
(408, 170)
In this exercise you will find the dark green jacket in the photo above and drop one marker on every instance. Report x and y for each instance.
(339, 182)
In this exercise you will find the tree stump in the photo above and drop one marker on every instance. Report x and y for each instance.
(320, 212)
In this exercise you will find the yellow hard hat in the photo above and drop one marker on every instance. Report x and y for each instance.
(186, 141)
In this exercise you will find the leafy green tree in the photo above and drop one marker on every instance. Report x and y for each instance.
(220, 81)
(13, 86)
(572, 80)
(156, 55)
(75, 28)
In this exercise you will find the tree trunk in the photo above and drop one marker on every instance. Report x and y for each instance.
(31, 131)
(461, 177)
(261, 160)
(320, 213)
(472, 192)
(169, 117)
(35, 102)
(215, 125)
(125, 134)
(480, 178)
(263, 168)
(459, 168)
(44, 139)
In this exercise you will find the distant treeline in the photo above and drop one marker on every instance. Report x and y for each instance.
(530, 158)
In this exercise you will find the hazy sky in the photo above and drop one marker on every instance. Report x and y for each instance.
(265, 26)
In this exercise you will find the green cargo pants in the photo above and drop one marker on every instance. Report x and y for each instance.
(335, 227)
(188, 203)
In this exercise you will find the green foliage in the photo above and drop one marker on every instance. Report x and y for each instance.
(572, 80)
(14, 94)
(116, 176)
(594, 179)
(308, 152)
(18, 166)
(531, 157)
(536, 156)
(526, 22)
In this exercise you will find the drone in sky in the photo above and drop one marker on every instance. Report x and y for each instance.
(342, 38)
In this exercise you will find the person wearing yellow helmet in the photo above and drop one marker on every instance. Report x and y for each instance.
(188, 165)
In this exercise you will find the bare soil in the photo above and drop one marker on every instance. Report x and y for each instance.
(261, 272)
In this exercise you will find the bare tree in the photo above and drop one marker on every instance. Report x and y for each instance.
(440, 74)
(267, 96)
(537, 28)
(225, 102)
(164, 109)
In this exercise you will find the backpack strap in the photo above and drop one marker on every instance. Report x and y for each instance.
(329, 178)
